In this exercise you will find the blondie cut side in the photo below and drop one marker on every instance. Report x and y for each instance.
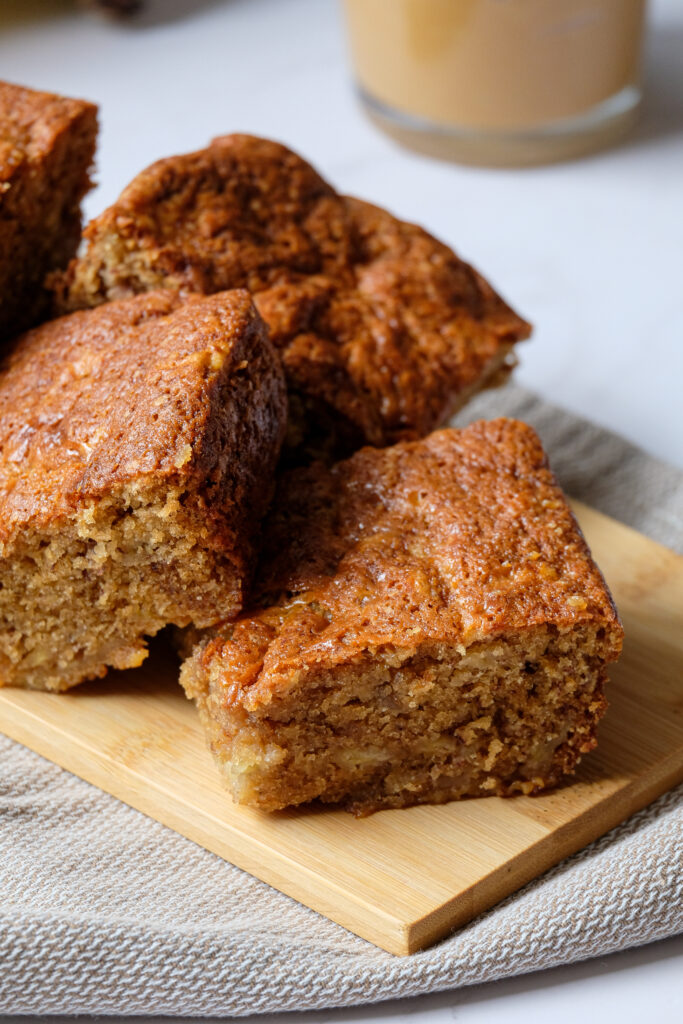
(47, 146)
(382, 330)
(430, 626)
(138, 444)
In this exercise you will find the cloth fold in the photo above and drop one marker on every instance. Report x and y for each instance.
(104, 911)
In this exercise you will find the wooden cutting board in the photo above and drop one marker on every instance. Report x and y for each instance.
(400, 879)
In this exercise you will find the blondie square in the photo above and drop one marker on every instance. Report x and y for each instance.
(47, 146)
(138, 443)
(429, 625)
(382, 330)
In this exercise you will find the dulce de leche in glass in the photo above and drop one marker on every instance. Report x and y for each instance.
(499, 81)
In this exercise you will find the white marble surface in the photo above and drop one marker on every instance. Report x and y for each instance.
(591, 251)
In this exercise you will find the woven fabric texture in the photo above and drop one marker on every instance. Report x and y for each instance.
(103, 911)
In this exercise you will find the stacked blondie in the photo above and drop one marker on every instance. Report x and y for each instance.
(227, 420)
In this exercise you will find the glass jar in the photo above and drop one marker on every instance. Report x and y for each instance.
(499, 81)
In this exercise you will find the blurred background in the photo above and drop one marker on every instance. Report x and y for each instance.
(590, 249)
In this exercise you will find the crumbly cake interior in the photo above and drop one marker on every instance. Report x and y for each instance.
(405, 727)
(426, 623)
(84, 593)
(138, 444)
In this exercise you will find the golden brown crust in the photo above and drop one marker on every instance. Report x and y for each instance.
(149, 388)
(138, 445)
(47, 145)
(459, 538)
(431, 626)
(376, 321)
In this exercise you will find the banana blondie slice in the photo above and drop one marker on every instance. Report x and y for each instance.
(47, 146)
(430, 625)
(138, 443)
(382, 330)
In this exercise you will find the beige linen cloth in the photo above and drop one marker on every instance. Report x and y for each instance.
(104, 911)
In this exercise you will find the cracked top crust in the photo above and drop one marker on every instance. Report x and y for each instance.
(455, 539)
(147, 389)
(374, 319)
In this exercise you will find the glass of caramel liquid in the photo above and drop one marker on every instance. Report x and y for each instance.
(499, 81)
